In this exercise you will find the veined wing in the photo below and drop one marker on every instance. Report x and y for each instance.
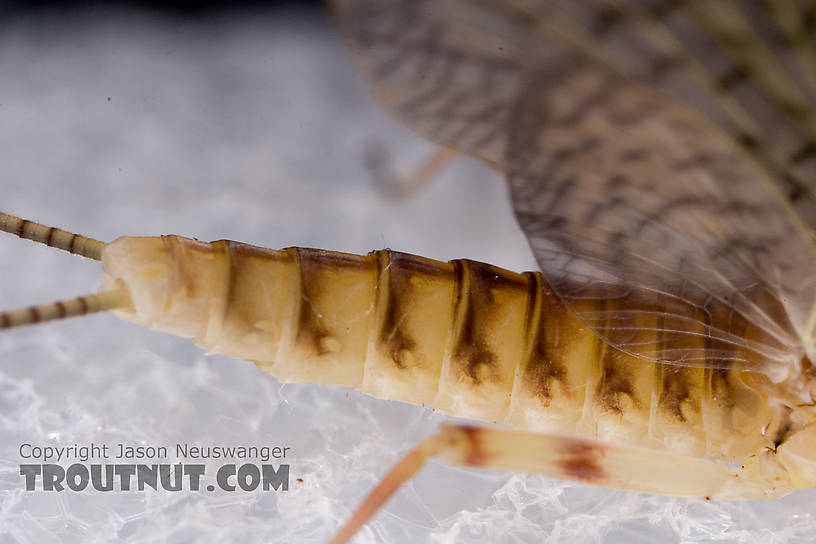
(648, 206)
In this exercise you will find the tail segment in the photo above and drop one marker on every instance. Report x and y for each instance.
(88, 304)
(58, 238)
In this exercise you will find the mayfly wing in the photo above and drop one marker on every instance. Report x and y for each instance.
(647, 208)
(749, 67)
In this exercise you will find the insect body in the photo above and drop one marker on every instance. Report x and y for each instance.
(469, 339)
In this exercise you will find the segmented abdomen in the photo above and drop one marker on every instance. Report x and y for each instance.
(470, 339)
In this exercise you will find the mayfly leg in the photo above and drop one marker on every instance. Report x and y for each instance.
(75, 244)
(589, 461)
(379, 164)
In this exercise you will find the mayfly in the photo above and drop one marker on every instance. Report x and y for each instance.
(660, 158)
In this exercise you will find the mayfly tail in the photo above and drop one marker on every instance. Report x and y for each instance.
(58, 238)
(72, 243)
(88, 304)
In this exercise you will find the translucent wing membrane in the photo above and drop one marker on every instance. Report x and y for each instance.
(660, 155)
(448, 68)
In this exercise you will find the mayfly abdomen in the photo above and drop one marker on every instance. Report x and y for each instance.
(470, 339)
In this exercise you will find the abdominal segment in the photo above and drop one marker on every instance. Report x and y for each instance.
(474, 341)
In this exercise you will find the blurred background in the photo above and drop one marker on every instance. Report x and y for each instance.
(247, 122)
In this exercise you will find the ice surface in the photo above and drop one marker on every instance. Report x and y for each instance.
(252, 129)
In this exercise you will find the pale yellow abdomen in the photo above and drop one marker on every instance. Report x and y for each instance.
(467, 338)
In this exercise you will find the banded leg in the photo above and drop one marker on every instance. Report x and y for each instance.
(590, 461)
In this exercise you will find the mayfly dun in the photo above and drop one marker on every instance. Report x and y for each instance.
(659, 157)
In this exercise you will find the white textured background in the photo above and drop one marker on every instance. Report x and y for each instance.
(249, 127)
